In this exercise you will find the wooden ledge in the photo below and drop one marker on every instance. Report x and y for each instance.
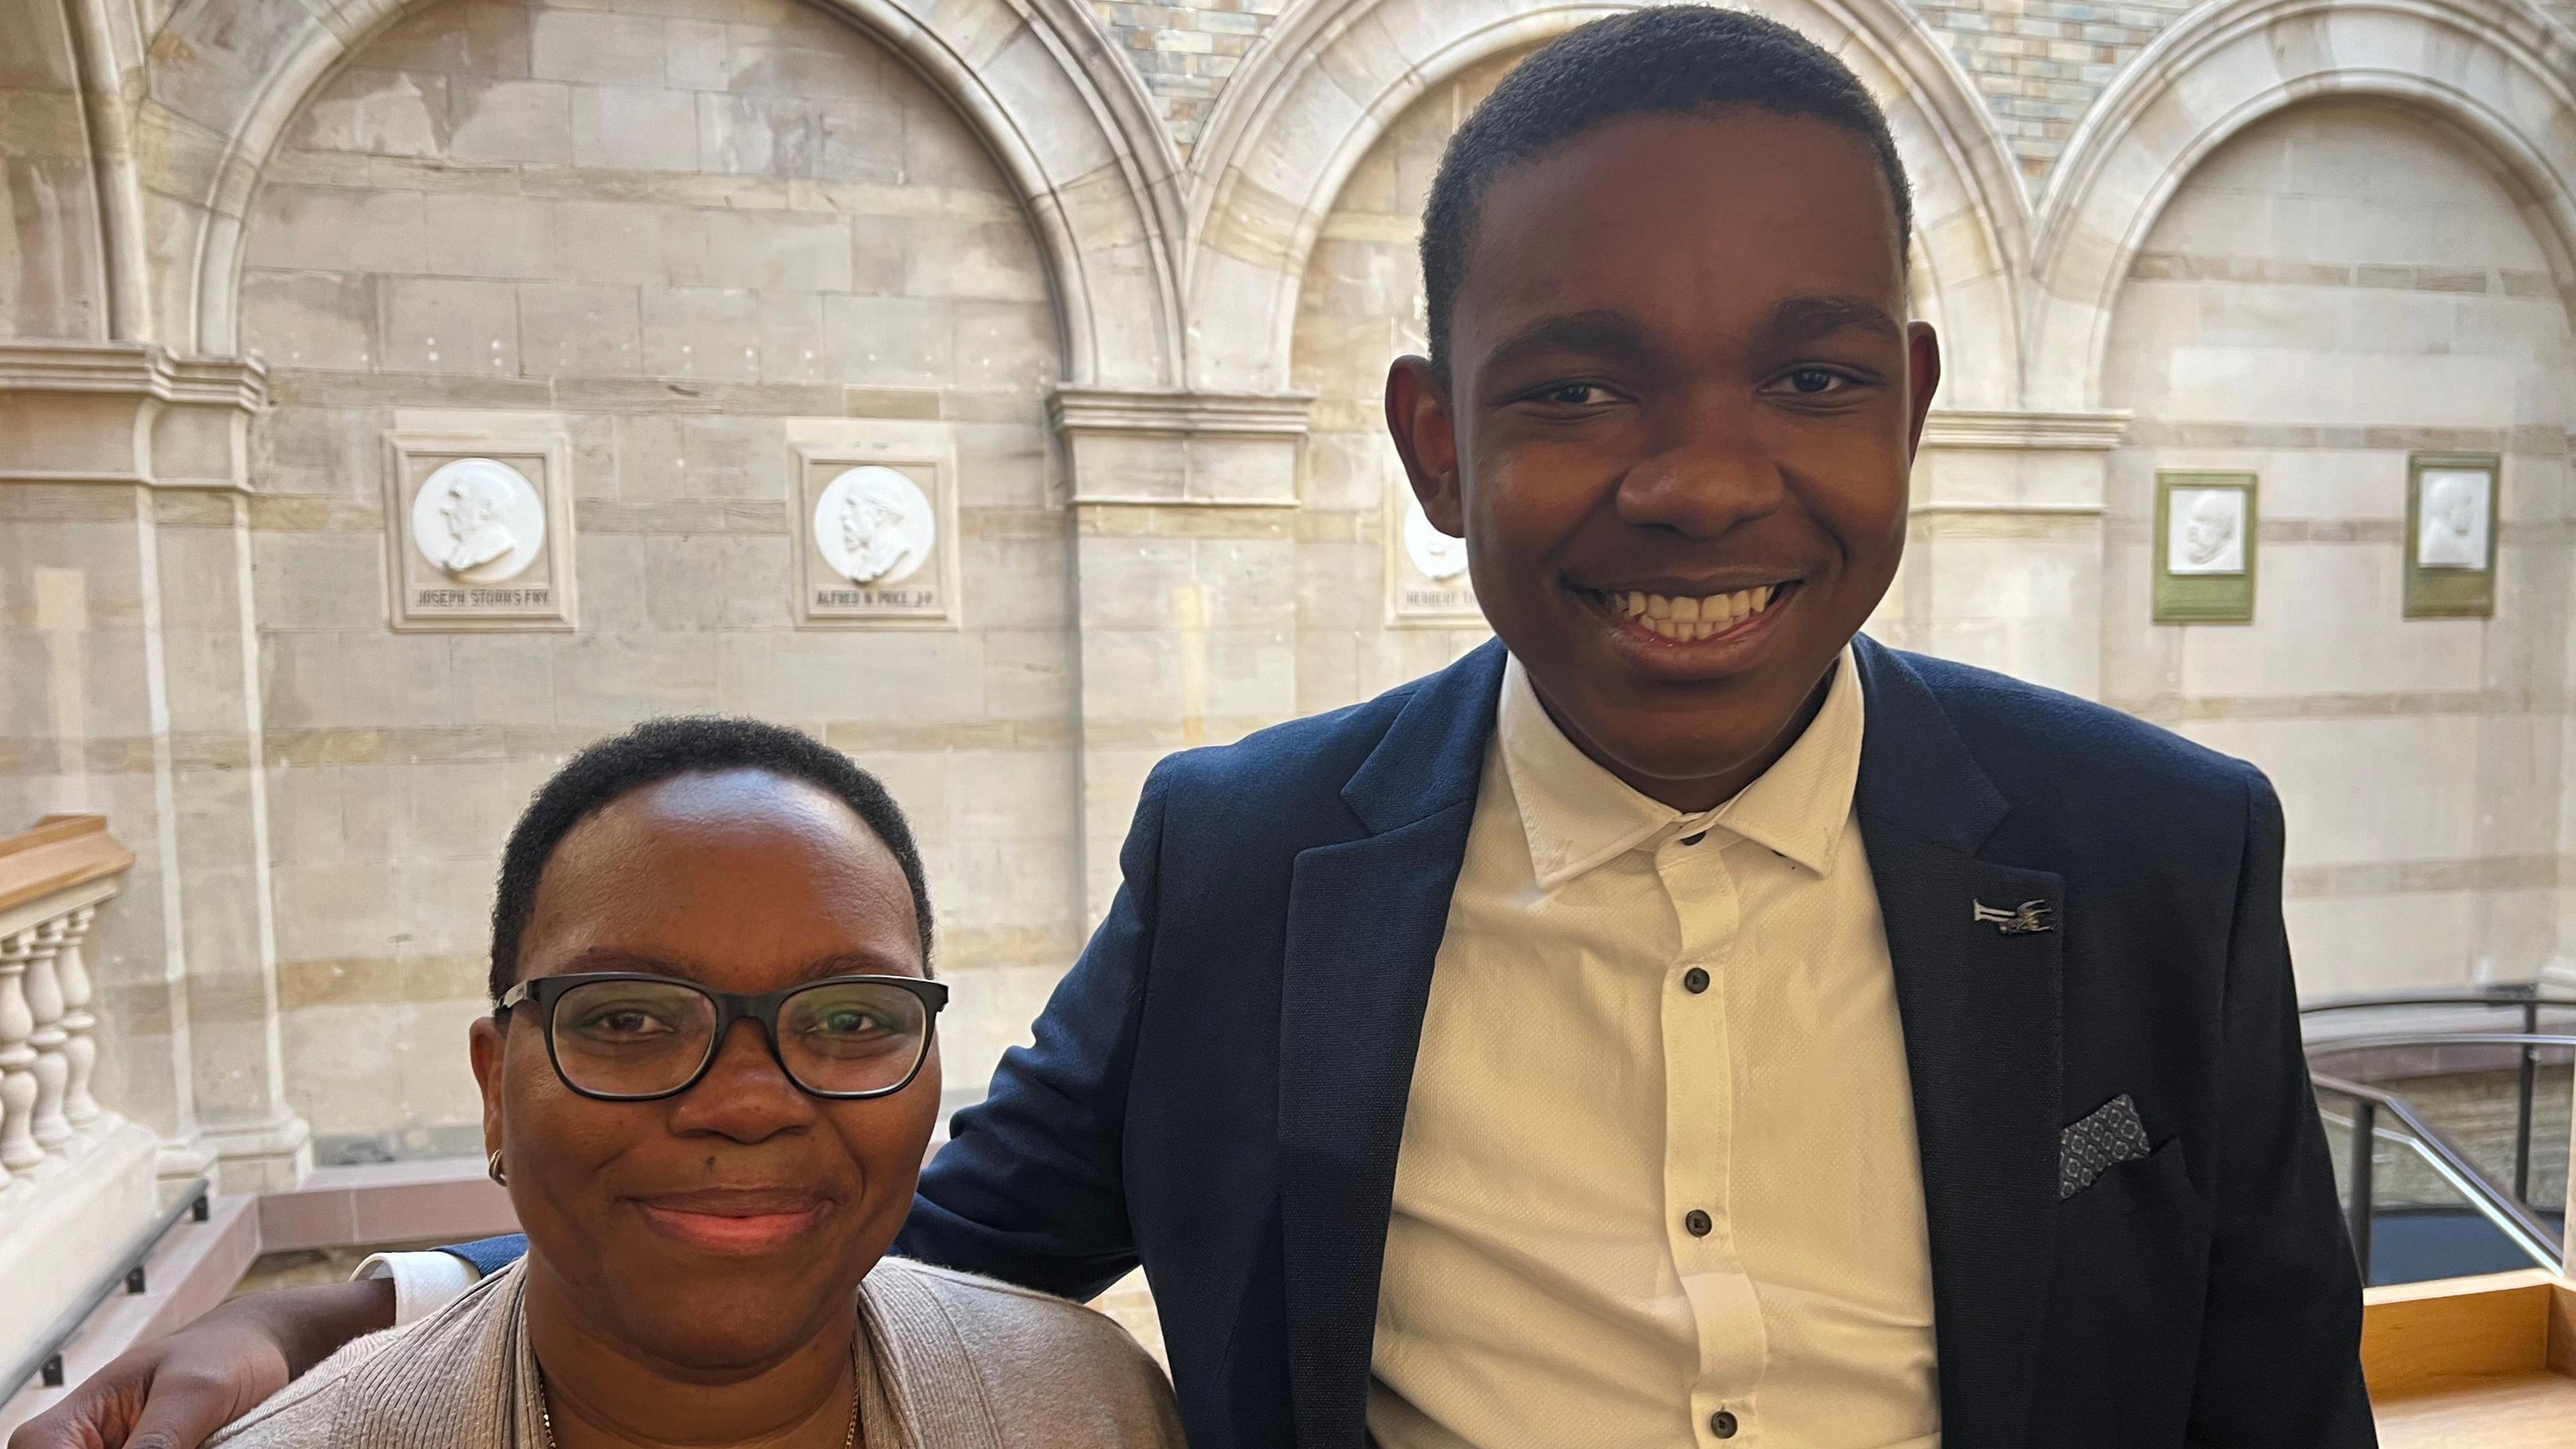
(2472, 1362)
(62, 851)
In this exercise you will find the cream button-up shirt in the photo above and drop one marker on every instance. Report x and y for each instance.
(1658, 1182)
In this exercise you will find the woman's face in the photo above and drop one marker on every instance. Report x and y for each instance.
(720, 1229)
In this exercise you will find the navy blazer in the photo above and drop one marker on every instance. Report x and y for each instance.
(1218, 1087)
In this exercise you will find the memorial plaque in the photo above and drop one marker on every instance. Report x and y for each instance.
(1426, 570)
(2451, 535)
(876, 528)
(2205, 548)
(478, 524)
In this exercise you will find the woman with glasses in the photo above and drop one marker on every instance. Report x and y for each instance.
(708, 1083)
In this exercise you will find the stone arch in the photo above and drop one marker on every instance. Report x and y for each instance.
(1334, 74)
(1065, 120)
(2497, 73)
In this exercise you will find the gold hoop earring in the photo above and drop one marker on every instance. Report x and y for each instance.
(492, 1166)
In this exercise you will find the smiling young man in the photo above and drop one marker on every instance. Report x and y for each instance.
(1683, 1021)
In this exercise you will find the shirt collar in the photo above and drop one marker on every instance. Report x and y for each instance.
(1578, 816)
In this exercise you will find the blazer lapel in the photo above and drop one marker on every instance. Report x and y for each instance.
(1365, 918)
(1980, 1007)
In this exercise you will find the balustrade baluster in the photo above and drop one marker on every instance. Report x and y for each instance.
(18, 1149)
(45, 1006)
(80, 1048)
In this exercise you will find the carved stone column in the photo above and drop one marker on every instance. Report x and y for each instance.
(125, 471)
(2003, 553)
(18, 1149)
(1184, 514)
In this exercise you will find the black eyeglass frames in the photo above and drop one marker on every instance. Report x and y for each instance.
(630, 1036)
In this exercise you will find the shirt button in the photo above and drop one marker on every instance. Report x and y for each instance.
(1694, 839)
(1697, 1222)
(1694, 981)
(1722, 1424)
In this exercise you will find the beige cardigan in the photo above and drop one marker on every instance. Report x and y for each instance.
(961, 1363)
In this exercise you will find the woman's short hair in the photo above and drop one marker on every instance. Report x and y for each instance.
(655, 751)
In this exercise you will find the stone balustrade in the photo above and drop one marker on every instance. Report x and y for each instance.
(52, 880)
(76, 1179)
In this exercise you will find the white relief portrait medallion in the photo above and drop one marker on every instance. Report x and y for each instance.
(875, 526)
(478, 520)
(1435, 555)
(2206, 531)
(2451, 531)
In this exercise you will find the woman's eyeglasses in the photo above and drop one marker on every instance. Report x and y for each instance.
(625, 1036)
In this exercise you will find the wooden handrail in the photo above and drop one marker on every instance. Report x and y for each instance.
(60, 852)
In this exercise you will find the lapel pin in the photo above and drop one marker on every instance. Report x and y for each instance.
(2027, 919)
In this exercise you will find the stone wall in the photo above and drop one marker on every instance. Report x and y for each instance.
(1185, 52)
(50, 283)
(683, 232)
(1360, 307)
(2040, 64)
(2338, 287)
(673, 228)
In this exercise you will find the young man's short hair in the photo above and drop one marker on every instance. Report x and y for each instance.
(658, 750)
(1673, 60)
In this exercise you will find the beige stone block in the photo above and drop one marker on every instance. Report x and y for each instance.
(489, 236)
(579, 329)
(1026, 79)
(520, 121)
(446, 326)
(459, 812)
(993, 260)
(777, 251)
(793, 347)
(696, 55)
(735, 457)
(333, 908)
(1008, 346)
(310, 319)
(507, 680)
(709, 332)
(401, 681)
(327, 451)
(909, 678)
(300, 678)
(334, 229)
(304, 815)
(939, 151)
(627, 241)
(1005, 465)
(633, 128)
(318, 580)
(826, 66)
(893, 341)
(380, 112)
(597, 48)
(613, 679)
(1028, 674)
(751, 568)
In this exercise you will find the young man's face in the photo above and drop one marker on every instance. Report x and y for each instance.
(1682, 403)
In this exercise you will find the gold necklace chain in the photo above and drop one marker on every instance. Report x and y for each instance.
(546, 1418)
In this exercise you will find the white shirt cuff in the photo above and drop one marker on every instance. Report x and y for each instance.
(423, 1282)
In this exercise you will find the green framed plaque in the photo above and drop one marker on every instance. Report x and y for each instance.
(2451, 535)
(2206, 526)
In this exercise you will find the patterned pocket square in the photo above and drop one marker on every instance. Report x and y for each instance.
(2110, 1135)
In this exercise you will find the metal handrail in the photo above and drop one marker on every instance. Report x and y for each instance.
(2509, 993)
(2508, 1212)
(2336, 1046)
(45, 1360)
(2529, 996)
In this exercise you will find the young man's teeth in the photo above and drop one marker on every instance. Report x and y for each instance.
(1688, 620)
